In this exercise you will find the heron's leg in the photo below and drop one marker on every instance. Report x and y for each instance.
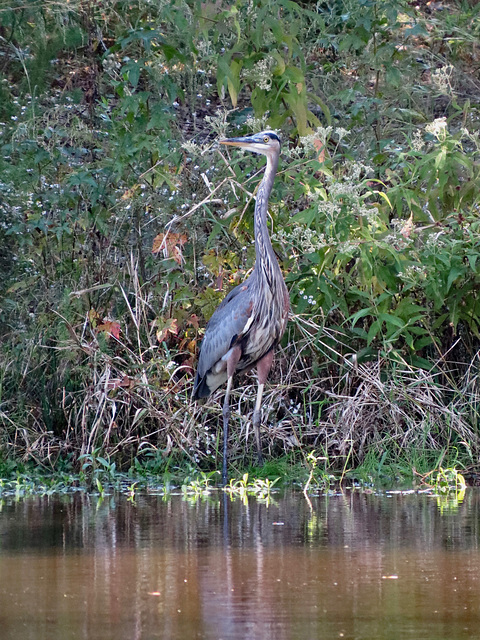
(226, 416)
(257, 414)
(263, 369)
(231, 366)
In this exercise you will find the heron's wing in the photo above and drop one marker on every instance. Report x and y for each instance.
(229, 321)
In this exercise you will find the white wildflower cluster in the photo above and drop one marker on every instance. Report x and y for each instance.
(218, 122)
(437, 128)
(308, 145)
(293, 153)
(343, 189)
(310, 300)
(346, 195)
(302, 238)
(371, 215)
(205, 49)
(400, 237)
(257, 124)
(358, 169)
(348, 248)
(413, 273)
(397, 240)
(442, 79)
(111, 65)
(321, 134)
(192, 148)
(434, 241)
(335, 209)
(397, 224)
(418, 143)
(473, 137)
(261, 73)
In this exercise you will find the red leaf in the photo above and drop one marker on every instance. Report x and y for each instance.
(110, 328)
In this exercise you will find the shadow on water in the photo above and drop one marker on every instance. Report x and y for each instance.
(352, 566)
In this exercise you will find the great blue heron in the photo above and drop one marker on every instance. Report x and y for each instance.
(250, 321)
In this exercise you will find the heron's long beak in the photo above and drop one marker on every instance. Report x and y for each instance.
(238, 142)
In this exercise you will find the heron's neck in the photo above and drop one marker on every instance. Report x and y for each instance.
(266, 261)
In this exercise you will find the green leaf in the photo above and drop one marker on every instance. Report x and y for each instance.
(391, 319)
(134, 74)
(422, 342)
(472, 261)
(360, 314)
(229, 75)
(307, 216)
(455, 273)
(373, 331)
(441, 159)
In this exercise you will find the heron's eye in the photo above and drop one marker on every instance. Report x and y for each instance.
(266, 139)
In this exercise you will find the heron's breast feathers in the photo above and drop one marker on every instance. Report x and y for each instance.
(253, 317)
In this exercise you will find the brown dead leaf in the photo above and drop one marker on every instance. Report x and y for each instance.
(407, 228)
(219, 281)
(94, 317)
(120, 383)
(129, 193)
(320, 149)
(170, 244)
(194, 321)
(177, 254)
(169, 326)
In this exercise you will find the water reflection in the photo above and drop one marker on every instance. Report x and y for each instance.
(351, 566)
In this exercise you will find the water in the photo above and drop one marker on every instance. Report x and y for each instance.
(347, 566)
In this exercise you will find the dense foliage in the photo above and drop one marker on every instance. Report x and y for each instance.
(122, 225)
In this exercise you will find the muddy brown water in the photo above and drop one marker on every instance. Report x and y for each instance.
(349, 565)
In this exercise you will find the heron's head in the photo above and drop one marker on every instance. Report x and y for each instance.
(266, 142)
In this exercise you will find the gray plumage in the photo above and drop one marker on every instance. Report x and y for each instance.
(251, 320)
